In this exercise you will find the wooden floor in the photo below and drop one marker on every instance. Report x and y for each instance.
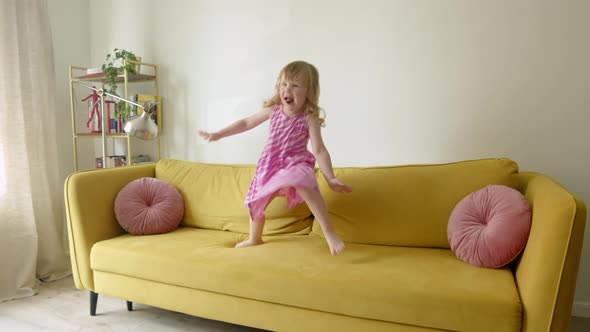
(59, 306)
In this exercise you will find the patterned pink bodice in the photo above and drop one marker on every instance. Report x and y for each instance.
(286, 147)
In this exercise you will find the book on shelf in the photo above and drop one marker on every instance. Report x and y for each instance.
(113, 122)
(121, 160)
(94, 71)
(140, 159)
(112, 161)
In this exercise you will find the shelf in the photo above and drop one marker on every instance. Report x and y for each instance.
(146, 74)
(99, 135)
(120, 78)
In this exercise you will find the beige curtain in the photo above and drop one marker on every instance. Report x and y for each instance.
(31, 222)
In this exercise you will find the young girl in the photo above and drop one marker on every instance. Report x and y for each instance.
(286, 167)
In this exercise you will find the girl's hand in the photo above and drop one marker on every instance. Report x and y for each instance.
(209, 137)
(338, 186)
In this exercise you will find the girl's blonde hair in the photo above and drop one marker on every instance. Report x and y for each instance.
(311, 78)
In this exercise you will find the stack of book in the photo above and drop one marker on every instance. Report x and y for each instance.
(112, 161)
(93, 71)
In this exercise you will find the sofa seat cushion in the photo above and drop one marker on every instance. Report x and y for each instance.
(417, 286)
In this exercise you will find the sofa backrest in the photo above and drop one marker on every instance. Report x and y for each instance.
(214, 198)
(408, 205)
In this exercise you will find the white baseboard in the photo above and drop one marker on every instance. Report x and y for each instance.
(581, 309)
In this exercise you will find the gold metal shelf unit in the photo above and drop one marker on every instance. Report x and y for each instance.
(78, 74)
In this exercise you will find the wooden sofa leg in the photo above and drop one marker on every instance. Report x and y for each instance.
(129, 306)
(93, 300)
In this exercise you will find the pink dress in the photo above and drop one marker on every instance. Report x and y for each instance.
(285, 164)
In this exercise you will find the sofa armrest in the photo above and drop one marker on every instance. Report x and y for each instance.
(89, 199)
(547, 269)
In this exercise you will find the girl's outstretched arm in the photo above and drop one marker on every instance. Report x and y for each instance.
(323, 156)
(239, 126)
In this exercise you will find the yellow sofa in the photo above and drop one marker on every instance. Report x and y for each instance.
(396, 274)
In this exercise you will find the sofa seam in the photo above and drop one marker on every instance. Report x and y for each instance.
(567, 247)
(265, 301)
(364, 167)
(69, 218)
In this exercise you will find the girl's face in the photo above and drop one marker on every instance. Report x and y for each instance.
(293, 94)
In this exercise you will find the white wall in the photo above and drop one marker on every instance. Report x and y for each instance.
(71, 46)
(402, 81)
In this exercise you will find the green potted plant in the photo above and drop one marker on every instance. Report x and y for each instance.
(116, 62)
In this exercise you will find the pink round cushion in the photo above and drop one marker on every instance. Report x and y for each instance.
(149, 206)
(490, 227)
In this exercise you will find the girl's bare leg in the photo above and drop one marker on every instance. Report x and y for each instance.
(255, 238)
(316, 204)
(256, 229)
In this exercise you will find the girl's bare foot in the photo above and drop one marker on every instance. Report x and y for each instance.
(336, 245)
(248, 243)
